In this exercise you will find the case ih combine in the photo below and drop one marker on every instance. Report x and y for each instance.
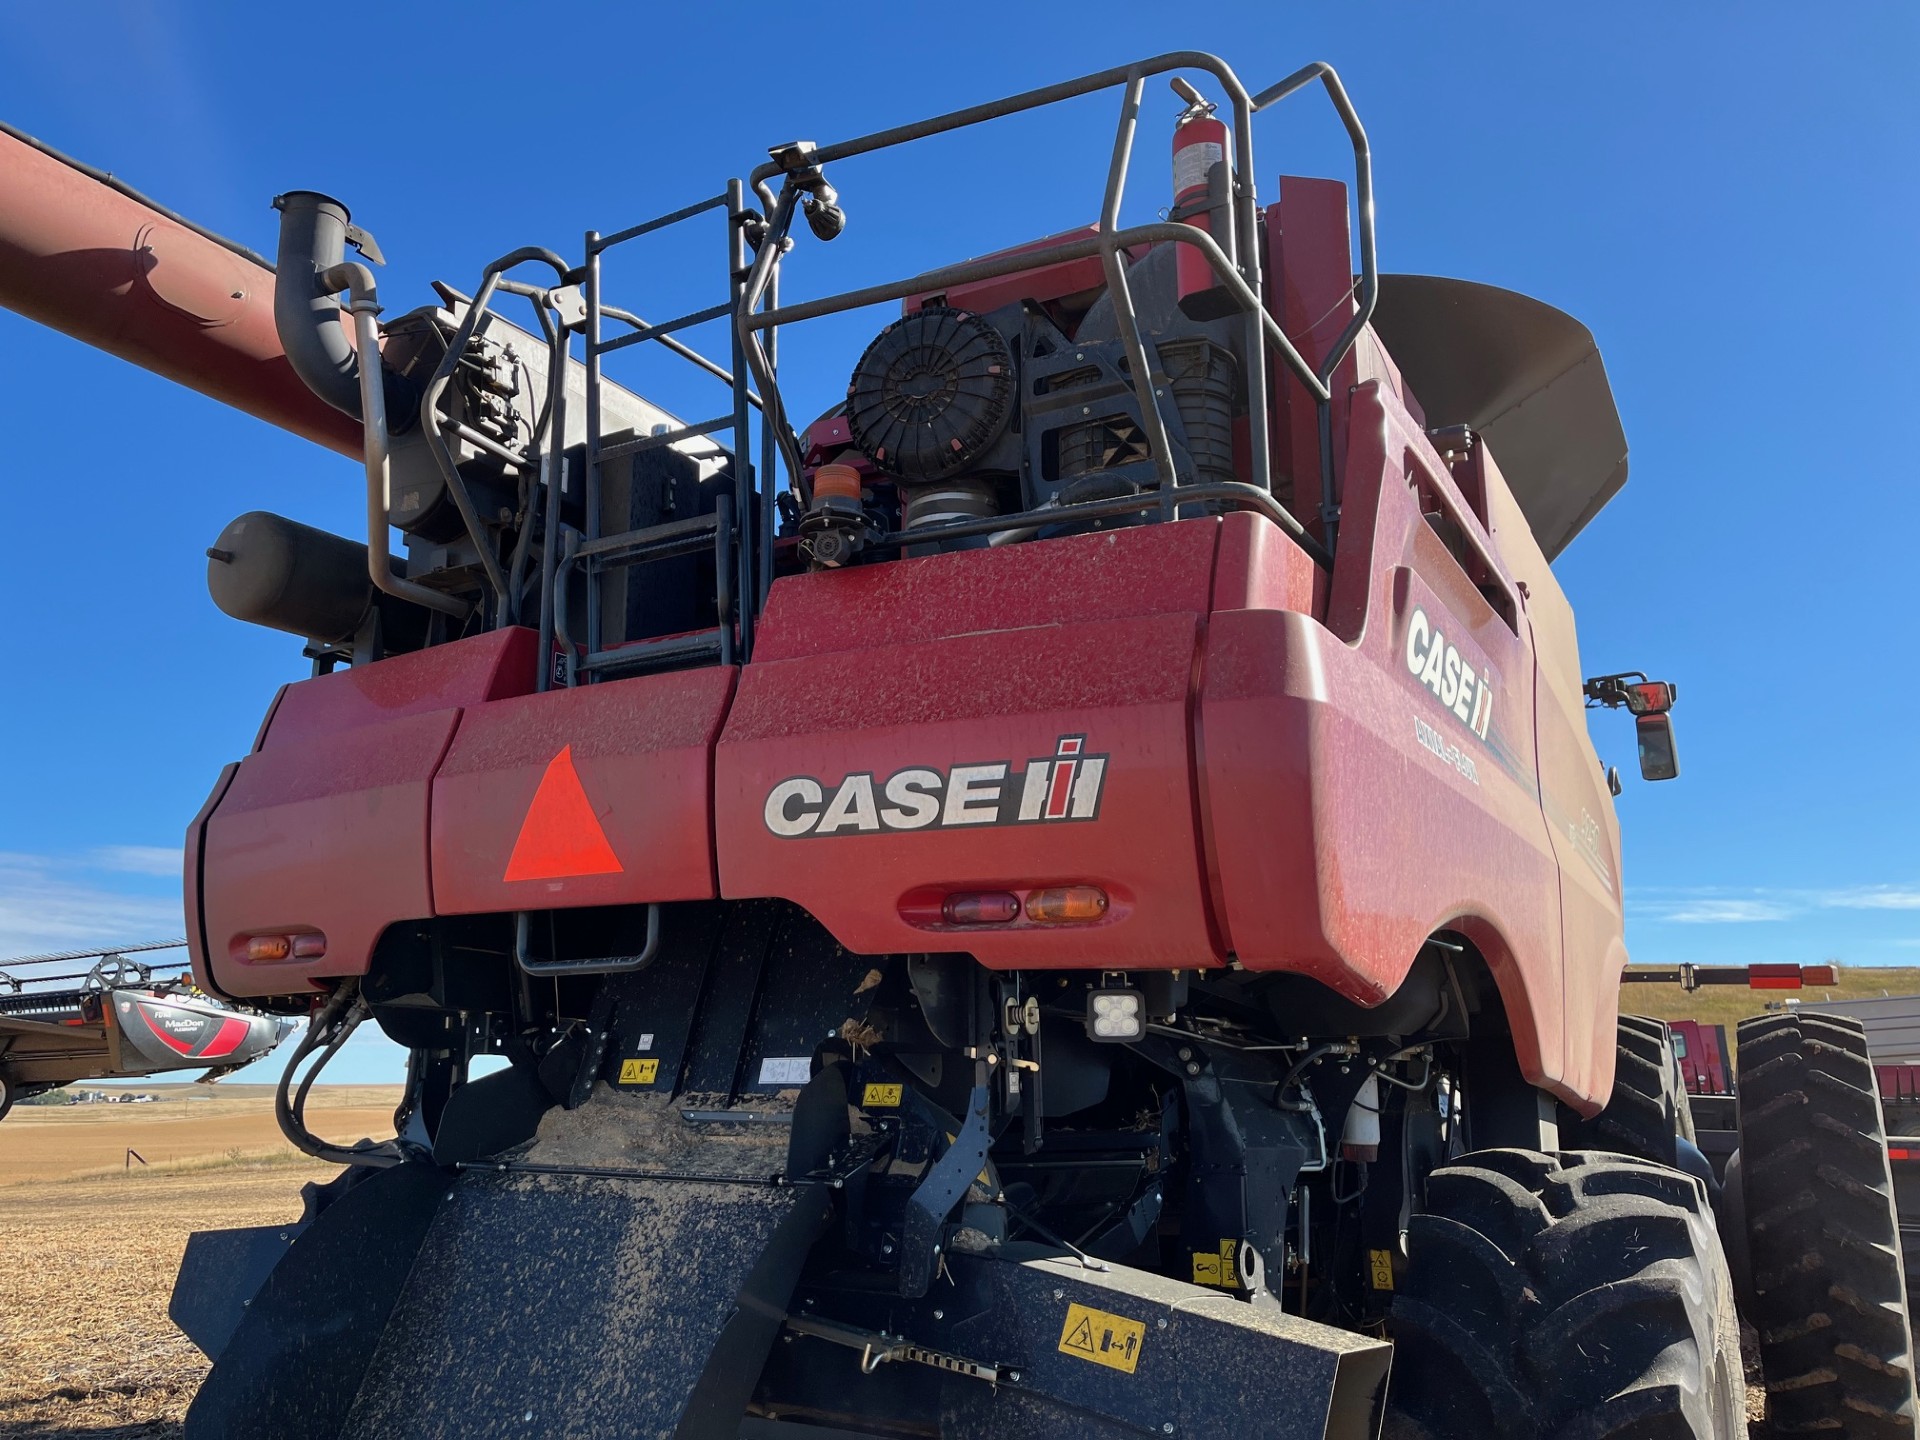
(1070, 895)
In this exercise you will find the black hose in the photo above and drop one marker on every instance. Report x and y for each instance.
(330, 1028)
(1280, 1100)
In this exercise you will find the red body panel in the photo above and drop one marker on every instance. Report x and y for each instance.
(1352, 812)
(642, 750)
(324, 827)
(983, 658)
(1057, 281)
(1702, 1050)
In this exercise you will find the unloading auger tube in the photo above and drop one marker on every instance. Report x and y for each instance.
(1021, 906)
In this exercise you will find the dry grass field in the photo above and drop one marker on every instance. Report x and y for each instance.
(1725, 1004)
(88, 1247)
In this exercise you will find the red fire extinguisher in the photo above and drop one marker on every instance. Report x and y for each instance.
(1202, 198)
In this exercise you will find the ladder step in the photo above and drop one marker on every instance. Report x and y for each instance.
(698, 647)
(665, 437)
(655, 542)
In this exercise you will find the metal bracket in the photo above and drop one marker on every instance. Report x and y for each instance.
(365, 244)
(877, 1348)
(945, 1184)
(597, 965)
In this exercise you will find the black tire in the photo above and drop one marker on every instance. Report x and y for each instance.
(1828, 1294)
(1579, 1295)
(1648, 1108)
(6, 1094)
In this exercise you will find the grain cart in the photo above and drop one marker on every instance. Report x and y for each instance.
(1069, 894)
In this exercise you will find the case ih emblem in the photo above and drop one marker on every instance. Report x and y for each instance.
(1437, 664)
(1062, 786)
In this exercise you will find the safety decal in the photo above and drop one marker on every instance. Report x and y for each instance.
(1110, 1340)
(639, 1072)
(882, 1097)
(786, 1070)
(1437, 663)
(1380, 1266)
(1218, 1268)
(1049, 789)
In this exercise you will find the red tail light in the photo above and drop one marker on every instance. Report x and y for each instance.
(981, 907)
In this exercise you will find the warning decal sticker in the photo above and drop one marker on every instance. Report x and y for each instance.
(1221, 1269)
(639, 1072)
(1110, 1340)
(1380, 1268)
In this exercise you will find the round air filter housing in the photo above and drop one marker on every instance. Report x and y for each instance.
(932, 394)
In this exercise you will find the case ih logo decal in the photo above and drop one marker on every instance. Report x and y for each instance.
(1062, 786)
(1436, 664)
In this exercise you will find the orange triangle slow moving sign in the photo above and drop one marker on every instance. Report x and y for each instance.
(561, 836)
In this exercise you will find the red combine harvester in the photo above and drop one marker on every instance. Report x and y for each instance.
(1070, 895)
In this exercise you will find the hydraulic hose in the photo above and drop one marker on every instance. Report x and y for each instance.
(331, 1027)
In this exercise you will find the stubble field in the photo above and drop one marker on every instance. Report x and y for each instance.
(90, 1241)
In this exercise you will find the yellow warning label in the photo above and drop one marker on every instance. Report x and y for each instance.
(881, 1097)
(1218, 1269)
(1110, 1340)
(1381, 1264)
(639, 1072)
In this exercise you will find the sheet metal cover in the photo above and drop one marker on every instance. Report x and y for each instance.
(1522, 374)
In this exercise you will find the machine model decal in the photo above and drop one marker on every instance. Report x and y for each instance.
(1064, 786)
(1437, 664)
(1432, 740)
(208, 1036)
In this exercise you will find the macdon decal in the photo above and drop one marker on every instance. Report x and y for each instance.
(1439, 666)
(1050, 789)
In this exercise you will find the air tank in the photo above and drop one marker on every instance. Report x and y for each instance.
(269, 570)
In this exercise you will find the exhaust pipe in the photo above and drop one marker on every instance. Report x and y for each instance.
(315, 230)
(313, 238)
(313, 270)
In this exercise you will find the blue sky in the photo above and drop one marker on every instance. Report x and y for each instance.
(1725, 194)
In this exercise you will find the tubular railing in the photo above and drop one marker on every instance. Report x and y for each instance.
(741, 530)
(729, 530)
(1239, 275)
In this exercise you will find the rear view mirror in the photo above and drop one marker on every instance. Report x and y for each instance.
(1658, 759)
(1649, 697)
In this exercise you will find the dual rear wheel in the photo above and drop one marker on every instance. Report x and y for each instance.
(1575, 1295)
(1589, 1294)
(1828, 1289)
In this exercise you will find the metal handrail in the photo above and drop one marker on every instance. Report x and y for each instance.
(1362, 192)
(430, 425)
(733, 202)
(1239, 274)
(1369, 269)
(685, 352)
(1246, 221)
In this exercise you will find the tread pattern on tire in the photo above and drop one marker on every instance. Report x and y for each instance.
(1648, 1107)
(1829, 1296)
(1579, 1295)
